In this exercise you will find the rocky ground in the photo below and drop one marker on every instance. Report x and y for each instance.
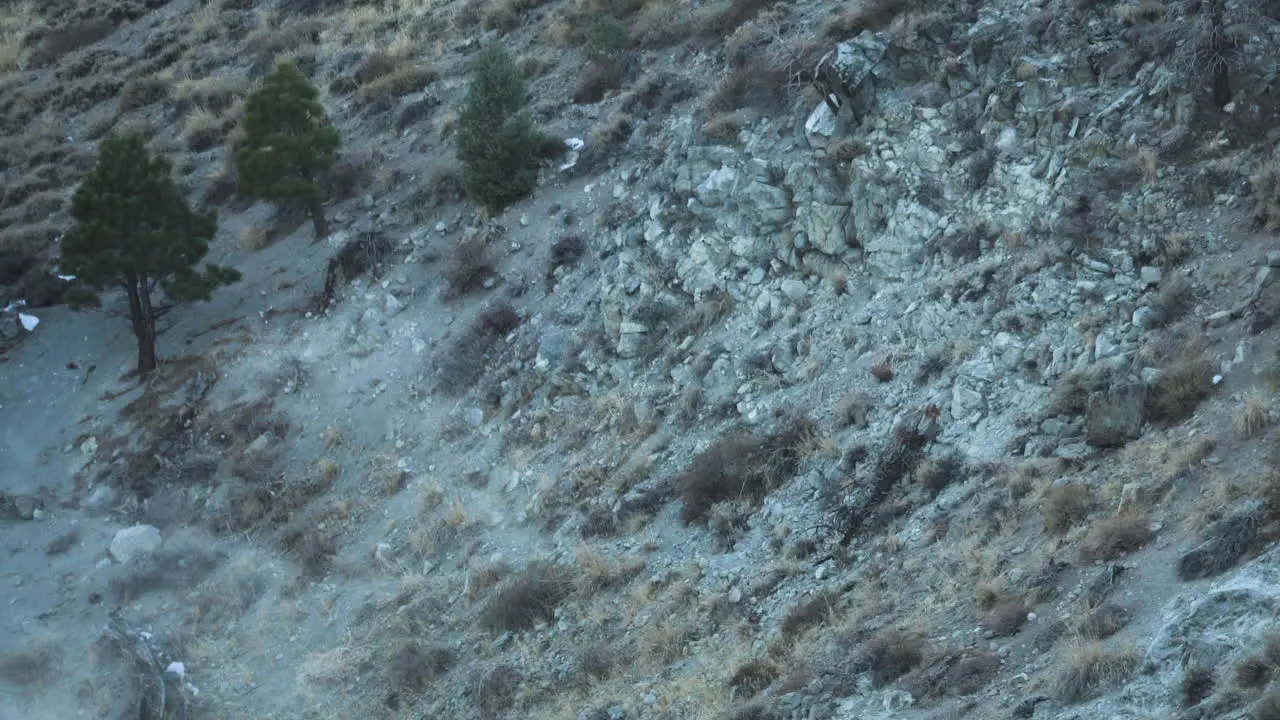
(958, 403)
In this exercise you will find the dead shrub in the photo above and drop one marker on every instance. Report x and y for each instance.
(313, 545)
(863, 15)
(890, 654)
(1113, 537)
(470, 266)
(744, 466)
(1181, 387)
(1252, 414)
(1089, 670)
(1064, 506)
(67, 39)
(529, 598)
(598, 662)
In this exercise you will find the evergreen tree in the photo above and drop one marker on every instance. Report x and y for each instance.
(288, 142)
(497, 144)
(134, 230)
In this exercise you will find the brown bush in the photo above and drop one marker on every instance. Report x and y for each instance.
(377, 65)
(1112, 537)
(1197, 684)
(1254, 672)
(60, 41)
(1064, 506)
(528, 598)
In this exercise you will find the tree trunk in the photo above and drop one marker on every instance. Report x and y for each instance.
(317, 218)
(143, 317)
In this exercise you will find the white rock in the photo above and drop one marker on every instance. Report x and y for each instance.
(133, 542)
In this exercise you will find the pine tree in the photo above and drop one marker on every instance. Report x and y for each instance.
(497, 144)
(288, 142)
(134, 230)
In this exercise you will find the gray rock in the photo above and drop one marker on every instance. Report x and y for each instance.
(965, 402)
(794, 289)
(133, 542)
(1148, 276)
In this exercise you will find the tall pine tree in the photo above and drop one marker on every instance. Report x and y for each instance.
(288, 142)
(134, 230)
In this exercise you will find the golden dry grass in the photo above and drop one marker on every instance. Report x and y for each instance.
(1253, 414)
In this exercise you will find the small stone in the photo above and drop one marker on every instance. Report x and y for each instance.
(1149, 276)
(1273, 258)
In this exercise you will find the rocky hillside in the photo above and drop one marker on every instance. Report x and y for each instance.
(890, 360)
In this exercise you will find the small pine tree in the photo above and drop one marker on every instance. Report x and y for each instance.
(135, 230)
(497, 144)
(288, 142)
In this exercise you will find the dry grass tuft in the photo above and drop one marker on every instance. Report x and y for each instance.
(1064, 506)
(1089, 670)
(528, 599)
(1253, 414)
(1113, 537)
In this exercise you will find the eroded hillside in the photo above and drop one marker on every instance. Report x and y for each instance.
(958, 403)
